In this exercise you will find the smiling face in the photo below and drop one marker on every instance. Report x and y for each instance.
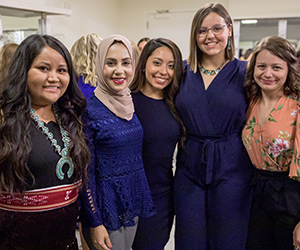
(270, 72)
(48, 78)
(118, 70)
(213, 44)
(159, 70)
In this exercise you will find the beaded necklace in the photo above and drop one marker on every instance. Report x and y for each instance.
(211, 72)
(65, 159)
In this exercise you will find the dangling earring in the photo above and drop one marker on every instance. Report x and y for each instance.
(229, 44)
(287, 89)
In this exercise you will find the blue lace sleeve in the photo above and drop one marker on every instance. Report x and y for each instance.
(88, 194)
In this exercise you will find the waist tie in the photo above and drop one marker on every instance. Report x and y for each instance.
(208, 149)
(269, 182)
(39, 200)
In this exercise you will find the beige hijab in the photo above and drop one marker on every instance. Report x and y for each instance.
(118, 102)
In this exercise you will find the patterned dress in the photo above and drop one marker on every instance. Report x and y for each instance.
(48, 230)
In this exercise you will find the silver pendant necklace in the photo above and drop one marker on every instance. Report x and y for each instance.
(65, 159)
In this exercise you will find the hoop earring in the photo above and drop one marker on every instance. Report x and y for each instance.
(229, 44)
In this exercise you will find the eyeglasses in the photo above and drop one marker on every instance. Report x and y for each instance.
(217, 29)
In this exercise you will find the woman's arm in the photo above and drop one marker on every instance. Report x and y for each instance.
(100, 238)
(89, 192)
(296, 236)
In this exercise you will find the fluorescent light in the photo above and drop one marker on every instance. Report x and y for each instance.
(249, 21)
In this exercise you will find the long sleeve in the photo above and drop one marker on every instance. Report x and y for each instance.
(117, 189)
(295, 164)
(88, 194)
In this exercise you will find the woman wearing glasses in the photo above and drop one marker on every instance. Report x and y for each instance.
(212, 182)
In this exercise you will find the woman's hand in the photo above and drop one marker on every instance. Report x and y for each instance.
(100, 238)
(296, 236)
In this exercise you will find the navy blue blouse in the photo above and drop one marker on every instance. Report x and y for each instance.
(117, 190)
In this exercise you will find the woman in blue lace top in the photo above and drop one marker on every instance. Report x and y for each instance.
(117, 192)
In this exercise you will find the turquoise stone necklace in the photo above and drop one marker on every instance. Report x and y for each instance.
(65, 159)
(211, 72)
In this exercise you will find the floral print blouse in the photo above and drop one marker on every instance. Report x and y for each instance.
(275, 145)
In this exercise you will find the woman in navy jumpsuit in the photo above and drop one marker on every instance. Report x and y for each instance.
(212, 183)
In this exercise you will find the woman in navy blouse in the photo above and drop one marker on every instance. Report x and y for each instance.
(117, 193)
(155, 86)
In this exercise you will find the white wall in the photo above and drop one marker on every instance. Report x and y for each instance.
(133, 18)
(14, 23)
(97, 16)
(129, 17)
(264, 8)
(88, 16)
(137, 18)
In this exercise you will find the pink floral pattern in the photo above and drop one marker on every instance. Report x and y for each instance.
(278, 147)
(275, 145)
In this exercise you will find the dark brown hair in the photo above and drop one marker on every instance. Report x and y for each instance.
(172, 89)
(283, 49)
(144, 39)
(15, 104)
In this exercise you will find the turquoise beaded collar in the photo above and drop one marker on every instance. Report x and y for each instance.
(211, 72)
(65, 159)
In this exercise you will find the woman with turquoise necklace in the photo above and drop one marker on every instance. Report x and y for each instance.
(43, 155)
(213, 173)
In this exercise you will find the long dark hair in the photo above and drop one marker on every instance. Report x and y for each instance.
(15, 103)
(172, 89)
(283, 49)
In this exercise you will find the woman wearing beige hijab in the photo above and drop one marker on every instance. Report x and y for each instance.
(117, 192)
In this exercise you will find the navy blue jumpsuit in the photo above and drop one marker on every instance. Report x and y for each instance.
(212, 183)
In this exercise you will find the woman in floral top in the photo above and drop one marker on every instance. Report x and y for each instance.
(272, 139)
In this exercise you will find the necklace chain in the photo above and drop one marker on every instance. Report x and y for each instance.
(62, 152)
(211, 72)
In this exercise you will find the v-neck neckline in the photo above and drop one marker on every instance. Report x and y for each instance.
(268, 116)
(213, 80)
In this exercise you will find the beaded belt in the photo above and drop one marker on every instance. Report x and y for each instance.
(39, 200)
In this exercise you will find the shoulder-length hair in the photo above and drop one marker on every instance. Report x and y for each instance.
(172, 89)
(283, 49)
(195, 54)
(15, 104)
(84, 53)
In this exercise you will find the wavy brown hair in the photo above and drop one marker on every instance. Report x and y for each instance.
(172, 89)
(15, 104)
(283, 49)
